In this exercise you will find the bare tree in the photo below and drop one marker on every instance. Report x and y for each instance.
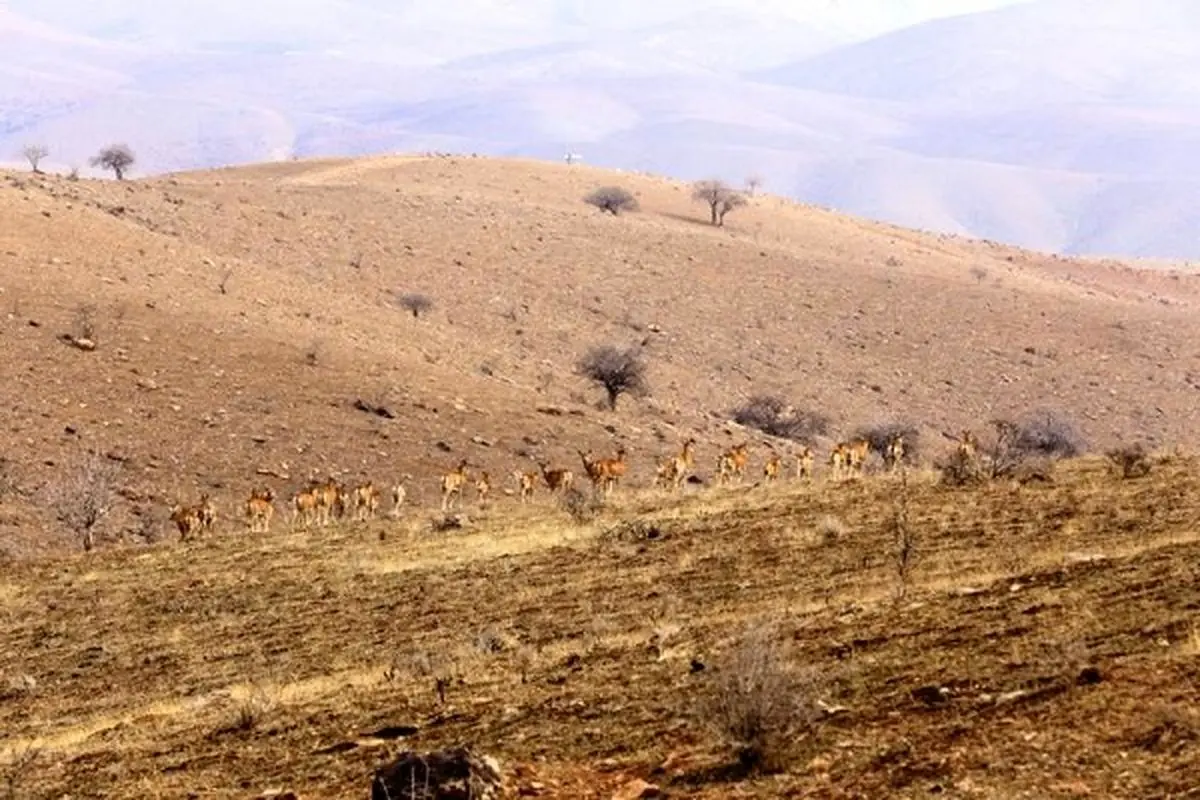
(34, 153)
(418, 304)
(84, 495)
(613, 199)
(117, 158)
(719, 197)
(617, 371)
(753, 184)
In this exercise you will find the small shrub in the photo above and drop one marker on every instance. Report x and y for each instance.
(759, 706)
(830, 529)
(418, 304)
(775, 417)
(84, 495)
(1047, 434)
(960, 469)
(581, 507)
(1131, 461)
(1040, 435)
(613, 199)
(116, 158)
(618, 371)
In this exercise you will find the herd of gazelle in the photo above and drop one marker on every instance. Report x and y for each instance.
(320, 502)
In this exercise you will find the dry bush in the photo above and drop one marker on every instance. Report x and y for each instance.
(34, 153)
(904, 552)
(774, 416)
(582, 507)
(719, 198)
(9, 485)
(84, 325)
(84, 495)
(830, 529)
(116, 158)
(613, 199)
(880, 436)
(760, 706)
(18, 770)
(1130, 461)
(415, 303)
(753, 183)
(1041, 435)
(618, 371)
(960, 469)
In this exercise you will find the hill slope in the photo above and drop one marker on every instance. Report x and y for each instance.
(241, 313)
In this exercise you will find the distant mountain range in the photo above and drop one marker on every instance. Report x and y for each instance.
(1064, 125)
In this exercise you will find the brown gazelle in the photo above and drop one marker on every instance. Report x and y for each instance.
(366, 498)
(259, 509)
(674, 471)
(186, 519)
(967, 444)
(857, 451)
(732, 463)
(306, 507)
(483, 487)
(526, 483)
(839, 460)
(557, 479)
(208, 513)
(895, 452)
(452, 485)
(804, 463)
(399, 495)
(773, 468)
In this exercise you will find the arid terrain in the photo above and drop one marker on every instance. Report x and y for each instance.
(1045, 644)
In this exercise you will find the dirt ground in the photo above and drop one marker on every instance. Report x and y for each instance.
(1041, 642)
(1055, 624)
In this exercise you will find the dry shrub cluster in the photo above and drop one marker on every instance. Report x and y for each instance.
(1130, 461)
(760, 705)
(774, 416)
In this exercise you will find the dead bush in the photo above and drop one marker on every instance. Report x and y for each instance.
(83, 496)
(613, 199)
(416, 304)
(34, 154)
(1130, 461)
(775, 417)
(1041, 435)
(618, 371)
(580, 506)
(760, 706)
(960, 469)
(881, 435)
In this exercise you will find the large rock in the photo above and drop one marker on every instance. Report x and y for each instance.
(440, 775)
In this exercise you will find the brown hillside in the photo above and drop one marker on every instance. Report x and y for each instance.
(195, 388)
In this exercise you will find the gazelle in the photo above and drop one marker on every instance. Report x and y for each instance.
(453, 483)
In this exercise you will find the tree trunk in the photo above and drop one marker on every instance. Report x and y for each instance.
(713, 208)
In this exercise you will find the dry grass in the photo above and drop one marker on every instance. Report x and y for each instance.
(563, 649)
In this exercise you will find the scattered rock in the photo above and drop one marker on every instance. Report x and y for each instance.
(637, 789)
(78, 342)
(1089, 676)
(379, 411)
(482, 442)
(931, 695)
(440, 775)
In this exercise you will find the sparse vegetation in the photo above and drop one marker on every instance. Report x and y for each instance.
(613, 199)
(759, 705)
(83, 495)
(580, 506)
(1130, 461)
(719, 198)
(116, 158)
(415, 303)
(618, 371)
(904, 540)
(35, 154)
(1039, 435)
(774, 416)
(753, 184)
